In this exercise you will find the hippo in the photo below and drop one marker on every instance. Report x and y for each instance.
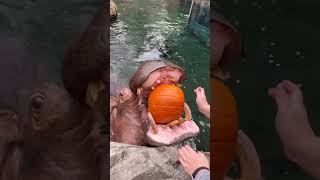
(60, 134)
(227, 49)
(128, 111)
(225, 45)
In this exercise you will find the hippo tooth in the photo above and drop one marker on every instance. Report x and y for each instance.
(172, 80)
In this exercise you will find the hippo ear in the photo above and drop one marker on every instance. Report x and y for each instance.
(10, 145)
(85, 58)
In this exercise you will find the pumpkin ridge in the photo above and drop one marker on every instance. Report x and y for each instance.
(166, 103)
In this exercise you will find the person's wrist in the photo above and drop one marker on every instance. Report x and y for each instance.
(205, 108)
(199, 169)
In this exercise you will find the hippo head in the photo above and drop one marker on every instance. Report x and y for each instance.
(153, 72)
(52, 130)
(150, 74)
(226, 44)
(50, 114)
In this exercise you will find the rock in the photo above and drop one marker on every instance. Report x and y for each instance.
(129, 162)
(113, 10)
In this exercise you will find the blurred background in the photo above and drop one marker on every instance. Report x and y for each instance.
(282, 41)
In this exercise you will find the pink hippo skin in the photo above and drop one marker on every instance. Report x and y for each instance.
(136, 126)
(225, 47)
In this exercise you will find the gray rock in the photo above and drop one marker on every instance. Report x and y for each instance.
(128, 162)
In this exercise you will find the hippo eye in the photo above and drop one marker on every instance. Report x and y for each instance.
(37, 102)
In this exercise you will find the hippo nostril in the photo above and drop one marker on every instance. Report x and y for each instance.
(121, 93)
(37, 102)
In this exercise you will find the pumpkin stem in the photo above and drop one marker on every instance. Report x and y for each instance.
(153, 124)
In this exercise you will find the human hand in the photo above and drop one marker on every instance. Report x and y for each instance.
(202, 102)
(291, 115)
(191, 160)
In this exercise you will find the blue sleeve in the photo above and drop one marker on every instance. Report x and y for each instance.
(203, 175)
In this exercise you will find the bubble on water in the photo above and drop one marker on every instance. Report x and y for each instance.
(201, 123)
(298, 53)
(271, 61)
(237, 23)
(255, 3)
(263, 28)
(278, 65)
(272, 44)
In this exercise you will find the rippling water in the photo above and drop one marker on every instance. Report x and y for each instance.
(156, 29)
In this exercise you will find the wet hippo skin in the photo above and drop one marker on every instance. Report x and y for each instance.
(129, 119)
(37, 33)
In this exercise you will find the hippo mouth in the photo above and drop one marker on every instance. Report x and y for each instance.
(165, 134)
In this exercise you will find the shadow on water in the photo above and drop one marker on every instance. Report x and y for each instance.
(156, 29)
(282, 41)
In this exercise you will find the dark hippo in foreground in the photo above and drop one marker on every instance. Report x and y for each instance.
(225, 45)
(59, 136)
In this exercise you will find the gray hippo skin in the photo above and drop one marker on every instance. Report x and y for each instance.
(136, 119)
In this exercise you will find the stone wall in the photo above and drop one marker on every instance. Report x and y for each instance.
(199, 20)
(128, 162)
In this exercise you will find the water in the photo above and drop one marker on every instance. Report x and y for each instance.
(156, 29)
(282, 42)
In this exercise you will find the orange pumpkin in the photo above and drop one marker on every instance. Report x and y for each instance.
(166, 103)
(224, 129)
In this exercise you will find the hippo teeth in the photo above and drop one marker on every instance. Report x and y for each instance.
(172, 80)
